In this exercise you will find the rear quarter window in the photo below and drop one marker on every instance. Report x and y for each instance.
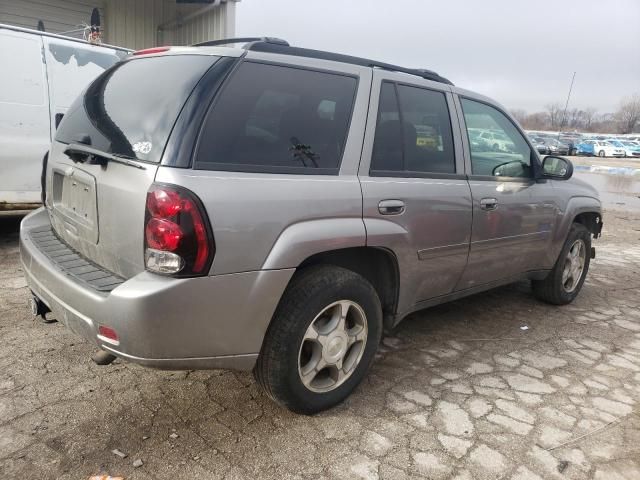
(278, 118)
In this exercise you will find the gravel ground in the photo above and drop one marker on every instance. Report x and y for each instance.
(458, 391)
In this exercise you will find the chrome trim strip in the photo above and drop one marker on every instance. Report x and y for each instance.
(510, 241)
(443, 251)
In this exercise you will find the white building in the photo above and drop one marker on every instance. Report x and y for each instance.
(134, 24)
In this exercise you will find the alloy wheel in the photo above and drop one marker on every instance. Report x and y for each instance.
(332, 346)
(574, 266)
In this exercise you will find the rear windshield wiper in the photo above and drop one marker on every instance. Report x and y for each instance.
(84, 153)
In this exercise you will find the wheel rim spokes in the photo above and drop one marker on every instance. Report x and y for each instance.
(574, 266)
(332, 346)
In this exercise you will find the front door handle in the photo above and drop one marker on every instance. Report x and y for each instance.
(391, 207)
(488, 204)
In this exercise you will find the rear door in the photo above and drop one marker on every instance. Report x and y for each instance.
(99, 209)
(24, 116)
(513, 214)
(417, 201)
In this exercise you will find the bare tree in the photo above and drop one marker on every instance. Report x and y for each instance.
(536, 121)
(520, 115)
(628, 115)
(554, 110)
(587, 120)
(573, 118)
(589, 116)
(604, 123)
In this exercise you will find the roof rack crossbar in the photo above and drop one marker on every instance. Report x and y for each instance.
(248, 40)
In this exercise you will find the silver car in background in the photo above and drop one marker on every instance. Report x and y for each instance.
(275, 208)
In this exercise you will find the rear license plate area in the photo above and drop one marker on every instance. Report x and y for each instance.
(74, 202)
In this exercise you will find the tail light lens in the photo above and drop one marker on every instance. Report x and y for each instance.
(178, 238)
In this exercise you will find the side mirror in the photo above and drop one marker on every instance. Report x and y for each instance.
(556, 168)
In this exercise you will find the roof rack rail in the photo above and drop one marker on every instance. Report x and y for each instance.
(247, 40)
(277, 45)
(338, 57)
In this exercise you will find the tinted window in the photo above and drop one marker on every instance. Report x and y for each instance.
(278, 117)
(413, 132)
(130, 109)
(505, 153)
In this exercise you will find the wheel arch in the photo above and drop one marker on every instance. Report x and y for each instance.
(378, 265)
(580, 209)
(590, 219)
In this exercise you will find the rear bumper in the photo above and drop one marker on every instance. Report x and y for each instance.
(195, 323)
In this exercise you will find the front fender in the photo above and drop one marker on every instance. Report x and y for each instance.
(302, 240)
(575, 206)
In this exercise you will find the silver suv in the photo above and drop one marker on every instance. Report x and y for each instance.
(276, 208)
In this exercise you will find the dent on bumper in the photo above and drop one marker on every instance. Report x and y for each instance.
(206, 322)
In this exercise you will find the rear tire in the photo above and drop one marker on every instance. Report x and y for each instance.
(289, 368)
(565, 281)
(601, 153)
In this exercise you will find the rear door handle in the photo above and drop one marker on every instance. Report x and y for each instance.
(488, 204)
(391, 207)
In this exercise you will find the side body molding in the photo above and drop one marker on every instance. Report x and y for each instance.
(302, 240)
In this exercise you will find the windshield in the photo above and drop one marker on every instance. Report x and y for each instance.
(131, 108)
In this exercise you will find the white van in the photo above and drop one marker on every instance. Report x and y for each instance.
(42, 74)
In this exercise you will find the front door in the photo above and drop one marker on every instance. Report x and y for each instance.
(513, 214)
(417, 202)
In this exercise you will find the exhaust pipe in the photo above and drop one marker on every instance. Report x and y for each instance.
(39, 309)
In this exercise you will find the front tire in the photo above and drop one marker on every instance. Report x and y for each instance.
(565, 281)
(321, 341)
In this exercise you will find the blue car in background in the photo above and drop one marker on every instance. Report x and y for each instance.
(586, 147)
(630, 148)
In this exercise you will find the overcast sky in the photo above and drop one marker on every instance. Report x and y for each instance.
(522, 53)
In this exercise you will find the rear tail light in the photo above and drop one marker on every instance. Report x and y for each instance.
(177, 236)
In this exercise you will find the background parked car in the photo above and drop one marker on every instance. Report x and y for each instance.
(557, 147)
(630, 149)
(540, 145)
(552, 148)
(41, 75)
(586, 147)
(603, 148)
(572, 143)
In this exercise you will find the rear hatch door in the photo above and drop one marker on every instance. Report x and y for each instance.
(106, 152)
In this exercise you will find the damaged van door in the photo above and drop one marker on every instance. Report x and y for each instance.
(42, 75)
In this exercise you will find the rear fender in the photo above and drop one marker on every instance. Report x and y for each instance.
(302, 240)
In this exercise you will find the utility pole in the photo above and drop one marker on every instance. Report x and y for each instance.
(566, 105)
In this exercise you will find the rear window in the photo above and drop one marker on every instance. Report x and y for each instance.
(131, 108)
(275, 118)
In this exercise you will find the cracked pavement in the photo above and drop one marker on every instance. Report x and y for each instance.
(457, 391)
